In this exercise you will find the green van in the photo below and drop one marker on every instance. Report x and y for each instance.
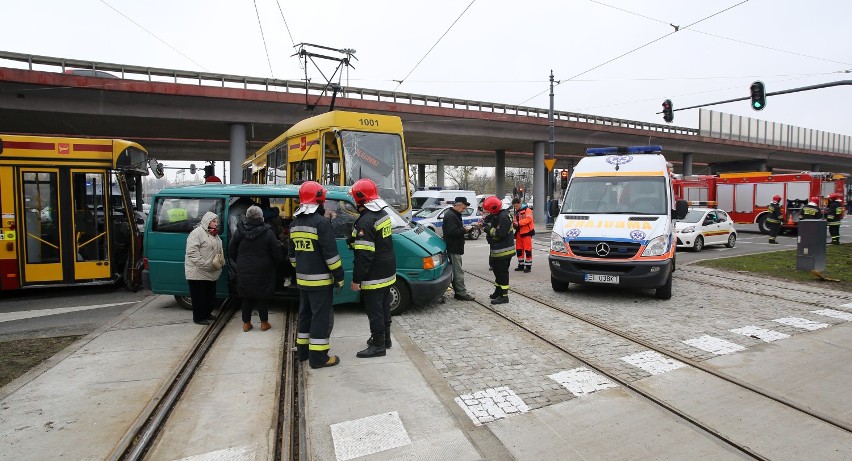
(423, 270)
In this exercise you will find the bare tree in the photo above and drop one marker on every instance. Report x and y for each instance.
(461, 176)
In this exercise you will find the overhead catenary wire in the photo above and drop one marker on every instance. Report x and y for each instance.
(287, 27)
(263, 37)
(154, 35)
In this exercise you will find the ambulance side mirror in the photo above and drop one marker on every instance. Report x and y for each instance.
(681, 209)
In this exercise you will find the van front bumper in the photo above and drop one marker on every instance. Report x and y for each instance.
(424, 292)
(632, 274)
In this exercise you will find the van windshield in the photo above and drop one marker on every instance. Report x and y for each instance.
(625, 195)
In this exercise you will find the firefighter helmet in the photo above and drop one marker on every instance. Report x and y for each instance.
(776, 198)
(835, 196)
(814, 199)
(364, 190)
(311, 193)
(492, 205)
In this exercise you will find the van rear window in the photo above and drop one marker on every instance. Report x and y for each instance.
(181, 215)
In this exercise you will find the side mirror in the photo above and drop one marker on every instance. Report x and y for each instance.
(681, 209)
(553, 208)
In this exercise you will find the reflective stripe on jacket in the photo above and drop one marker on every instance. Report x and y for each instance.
(774, 210)
(375, 262)
(312, 250)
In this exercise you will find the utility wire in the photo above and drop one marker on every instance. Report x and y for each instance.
(153, 35)
(264, 39)
(433, 46)
(293, 42)
(677, 29)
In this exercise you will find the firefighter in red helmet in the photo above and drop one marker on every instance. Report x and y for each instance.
(773, 221)
(374, 272)
(811, 210)
(498, 232)
(834, 214)
(313, 254)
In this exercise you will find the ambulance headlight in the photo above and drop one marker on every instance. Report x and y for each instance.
(557, 243)
(657, 246)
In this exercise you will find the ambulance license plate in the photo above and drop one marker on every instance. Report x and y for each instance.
(598, 278)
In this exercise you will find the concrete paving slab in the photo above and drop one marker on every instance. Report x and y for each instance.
(231, 402)
(377, 387)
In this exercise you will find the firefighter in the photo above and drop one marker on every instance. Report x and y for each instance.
(313, 254)
(498, 232)
(773, 221)
(834, 214)
(811, 210)
(524, 230)
(374, 271)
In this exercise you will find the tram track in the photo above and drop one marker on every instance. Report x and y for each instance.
(590, 362)
(290, 432)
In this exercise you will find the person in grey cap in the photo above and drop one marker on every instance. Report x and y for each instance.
(454, 234)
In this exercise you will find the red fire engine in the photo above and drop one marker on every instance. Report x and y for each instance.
(745, 196)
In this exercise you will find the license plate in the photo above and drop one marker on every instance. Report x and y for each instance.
(598, 278)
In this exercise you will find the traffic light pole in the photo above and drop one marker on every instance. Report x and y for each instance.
(774, 93)
(549, 185)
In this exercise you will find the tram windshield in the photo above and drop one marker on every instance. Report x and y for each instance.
(377, 156)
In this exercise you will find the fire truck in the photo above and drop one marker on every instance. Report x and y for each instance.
(745, 196)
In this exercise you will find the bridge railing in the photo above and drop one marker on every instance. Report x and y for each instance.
(155, 74)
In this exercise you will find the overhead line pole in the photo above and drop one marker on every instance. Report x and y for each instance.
(551, 141)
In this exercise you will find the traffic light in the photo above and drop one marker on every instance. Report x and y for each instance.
(564, 179)
(209, 170)
(758, 95)
(521, 192)
(668, 111)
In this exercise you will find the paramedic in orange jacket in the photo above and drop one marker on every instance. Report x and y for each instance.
(524, 230)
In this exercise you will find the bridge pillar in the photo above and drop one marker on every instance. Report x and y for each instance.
(687, 164)
(421, 175)
(815, 166)
(439, 173)
(238, 152)
(539, 181)
(499, 174)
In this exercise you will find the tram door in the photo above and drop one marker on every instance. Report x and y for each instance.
(65, 225)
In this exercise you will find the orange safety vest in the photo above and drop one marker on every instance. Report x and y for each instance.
(524, 219)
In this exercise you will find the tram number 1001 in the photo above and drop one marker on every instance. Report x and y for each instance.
(368, 122)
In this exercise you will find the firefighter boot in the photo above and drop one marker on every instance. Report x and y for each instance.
(527, 269)
(388, 342)
(377, 349)
(496, 294)
(519, 268)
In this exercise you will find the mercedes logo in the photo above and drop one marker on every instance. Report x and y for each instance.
(602, 249)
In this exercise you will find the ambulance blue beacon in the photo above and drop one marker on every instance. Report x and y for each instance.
(615, 225)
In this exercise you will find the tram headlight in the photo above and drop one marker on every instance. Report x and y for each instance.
(657, 246)
(557, 243)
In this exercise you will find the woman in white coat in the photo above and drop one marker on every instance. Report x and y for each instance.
(202, 267)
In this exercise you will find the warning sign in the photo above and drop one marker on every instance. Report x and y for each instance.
(549, 163)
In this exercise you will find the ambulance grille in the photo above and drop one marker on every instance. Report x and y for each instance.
(643, 218)
(577, 218)
(594, 249)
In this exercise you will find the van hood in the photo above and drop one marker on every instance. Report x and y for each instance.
(623, 227)
(425, 239)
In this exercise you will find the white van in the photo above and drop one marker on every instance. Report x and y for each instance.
(439, 198)
(616, 222)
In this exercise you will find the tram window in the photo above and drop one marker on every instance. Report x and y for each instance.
(331, 172)
(377, 156)
(182, 215)
(280, 166)
(304, 171)
(90, 220)
(41, 219)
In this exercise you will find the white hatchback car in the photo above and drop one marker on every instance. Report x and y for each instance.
(433, 219)
(705, 226)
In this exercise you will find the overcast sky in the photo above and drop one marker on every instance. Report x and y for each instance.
(497, 50)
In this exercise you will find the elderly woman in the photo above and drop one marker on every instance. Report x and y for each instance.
(256, 251)
(202, 266)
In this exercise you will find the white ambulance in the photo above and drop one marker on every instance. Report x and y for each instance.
(616, 222)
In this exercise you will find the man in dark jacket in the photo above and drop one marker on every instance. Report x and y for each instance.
(256, 252)
(313, 253)
(375, 264)
(454, 234)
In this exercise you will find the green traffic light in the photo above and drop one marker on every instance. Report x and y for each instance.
(756, 105)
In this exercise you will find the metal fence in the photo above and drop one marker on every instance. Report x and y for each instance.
(736, 127)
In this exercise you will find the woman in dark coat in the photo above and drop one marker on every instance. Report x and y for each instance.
(257, 252)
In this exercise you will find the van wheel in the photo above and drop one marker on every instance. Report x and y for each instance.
(184, 302)
(665, 291)
(400, 297)
(474, 233)
(558, 285)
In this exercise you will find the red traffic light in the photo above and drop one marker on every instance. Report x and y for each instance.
(564, 174)
(668, 111)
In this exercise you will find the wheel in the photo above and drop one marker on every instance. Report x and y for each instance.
(761, 224)
(665, 291)
(732, 240)
(558, 285)
(474, 234)
(184, 302)
(699, 244)
(400, 297)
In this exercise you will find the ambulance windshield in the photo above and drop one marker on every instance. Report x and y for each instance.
(623, 195)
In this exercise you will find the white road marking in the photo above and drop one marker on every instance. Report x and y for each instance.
(491, 404)
(835, 314)
(582, 381)
(20, 315)
(849, 305)
(653, 362)
(760, 333)
(245, 453)
(715, 345)
(804, 324)
(369, 435)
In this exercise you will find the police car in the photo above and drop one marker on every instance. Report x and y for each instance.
(705, 226)
(433, 219)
